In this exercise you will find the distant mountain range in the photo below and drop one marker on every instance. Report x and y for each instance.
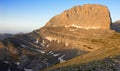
(6, 35)
(116, 26)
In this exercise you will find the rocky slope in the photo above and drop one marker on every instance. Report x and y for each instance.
(109, 50)
(62, 39)
(4, 66)
(107, 64)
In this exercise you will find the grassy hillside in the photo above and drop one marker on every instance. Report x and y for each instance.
(107, 64)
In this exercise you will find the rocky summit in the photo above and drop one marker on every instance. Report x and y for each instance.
(88, 16)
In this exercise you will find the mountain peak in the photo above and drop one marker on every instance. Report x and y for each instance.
(90, 16)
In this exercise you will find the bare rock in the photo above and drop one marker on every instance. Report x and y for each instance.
(88, 16)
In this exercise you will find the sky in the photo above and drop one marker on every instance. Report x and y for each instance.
(27, 15)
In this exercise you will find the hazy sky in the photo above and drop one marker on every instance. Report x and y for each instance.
(27, 15)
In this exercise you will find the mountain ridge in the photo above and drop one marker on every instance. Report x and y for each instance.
(58, 42)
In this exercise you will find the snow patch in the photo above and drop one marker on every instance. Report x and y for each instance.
(55, 55)
(71, 30)
(6, 62)
(37, 41)
(18, 63)
(61, 59)
(58, 41)
(47, 45)
(51, 52)
(42, 45)
(91, 28)
(73, 25)
(28, 69)
(66, 26)
(43, 42)
(66, 44)
(41, 51)
(38, 50)
(50, 38)
(23, 46)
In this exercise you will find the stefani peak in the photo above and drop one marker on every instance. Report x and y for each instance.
(88, 16)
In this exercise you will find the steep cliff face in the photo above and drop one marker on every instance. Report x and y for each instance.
(89, 16)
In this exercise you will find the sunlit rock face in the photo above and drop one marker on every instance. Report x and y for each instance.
(88, 16)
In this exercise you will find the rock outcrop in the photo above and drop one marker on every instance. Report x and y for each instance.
(88, 16)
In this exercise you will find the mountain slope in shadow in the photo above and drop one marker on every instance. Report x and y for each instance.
(116, 26)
